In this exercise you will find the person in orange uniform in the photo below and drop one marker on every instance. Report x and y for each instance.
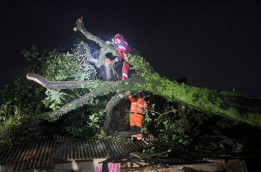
(138, 105)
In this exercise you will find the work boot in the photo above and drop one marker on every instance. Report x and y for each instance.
(133, 137)
(139, 137)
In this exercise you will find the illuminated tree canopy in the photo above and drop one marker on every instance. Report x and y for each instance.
(229, 105)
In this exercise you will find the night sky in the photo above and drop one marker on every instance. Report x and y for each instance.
(214, 44)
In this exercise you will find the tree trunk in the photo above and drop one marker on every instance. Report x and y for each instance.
(229, 105)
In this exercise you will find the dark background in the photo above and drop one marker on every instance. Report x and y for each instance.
(215, 44)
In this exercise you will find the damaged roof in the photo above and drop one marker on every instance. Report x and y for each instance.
(45, 152)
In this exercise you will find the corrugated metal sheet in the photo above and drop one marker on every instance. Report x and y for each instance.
(45, 152)
(29, 155)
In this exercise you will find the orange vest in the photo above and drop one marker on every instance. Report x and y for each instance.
(137, 105)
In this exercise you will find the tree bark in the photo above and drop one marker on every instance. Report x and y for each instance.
(59, 85)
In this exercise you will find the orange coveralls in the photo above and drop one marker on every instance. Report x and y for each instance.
(137, 107)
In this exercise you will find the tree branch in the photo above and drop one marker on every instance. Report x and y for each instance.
(87, 55)
(60, 84)
(165, 113)
(71, 105)
(88, 35)
(104, 47)
(109, 108)
(147, 156)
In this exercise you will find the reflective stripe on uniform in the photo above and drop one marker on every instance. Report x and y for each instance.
(124, 74)
(135, 106)
(121, 47)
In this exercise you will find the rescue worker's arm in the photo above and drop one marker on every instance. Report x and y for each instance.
(125, 57)
(131, 97)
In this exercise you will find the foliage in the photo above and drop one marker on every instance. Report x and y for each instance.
(59, 66)
(187, 130)
(21, 102)
(86, 121)
(54, 99)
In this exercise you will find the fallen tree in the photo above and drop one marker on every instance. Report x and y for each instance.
(227, 104)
